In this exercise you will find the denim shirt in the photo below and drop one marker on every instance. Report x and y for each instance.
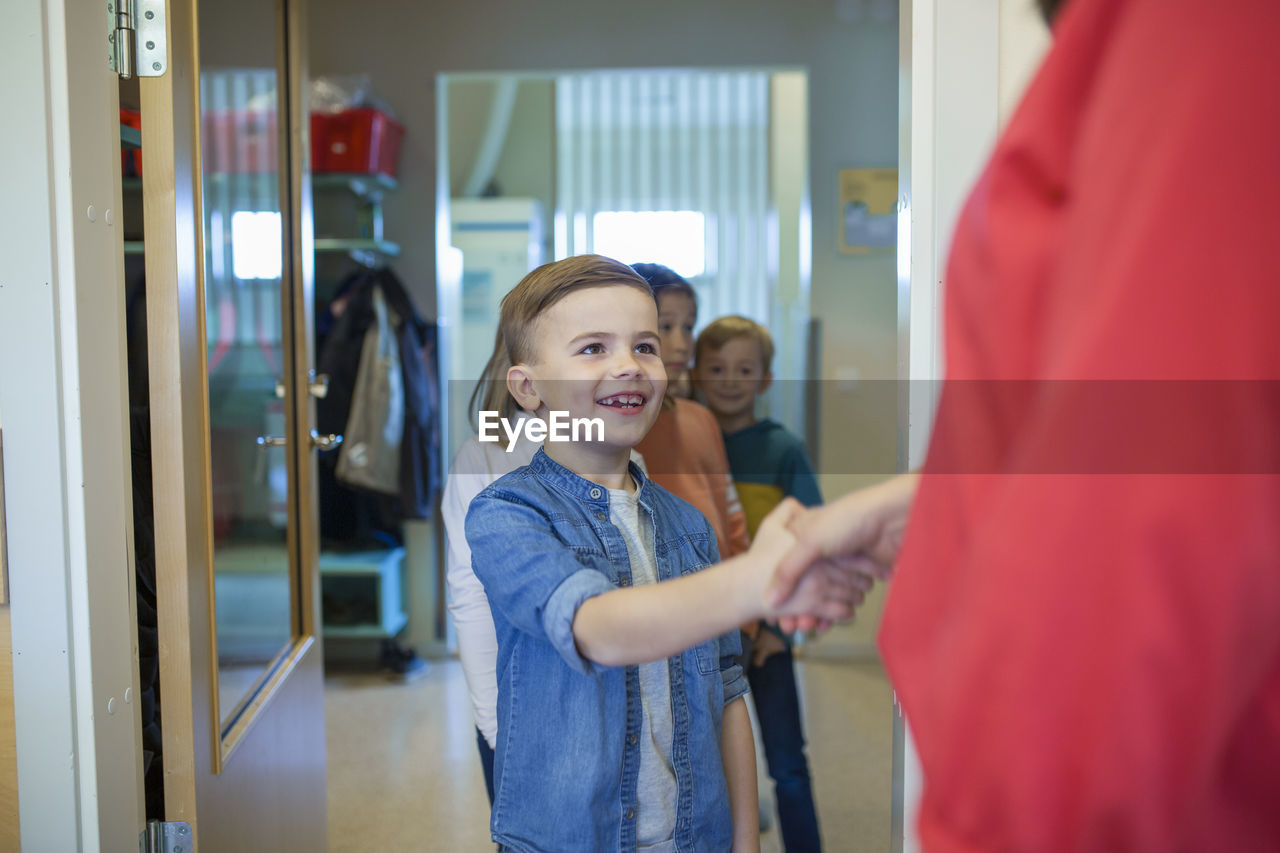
(568, 750)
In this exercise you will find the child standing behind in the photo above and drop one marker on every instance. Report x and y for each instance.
(621, 723)
(684, 450)
(769, 465)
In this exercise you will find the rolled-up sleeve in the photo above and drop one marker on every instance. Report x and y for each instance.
(557, 616)
(532, 578)
(728, 646)
(731, 675)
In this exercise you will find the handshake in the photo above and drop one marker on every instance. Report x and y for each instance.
(818, 564)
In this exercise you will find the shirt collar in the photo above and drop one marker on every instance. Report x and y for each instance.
(575, 485)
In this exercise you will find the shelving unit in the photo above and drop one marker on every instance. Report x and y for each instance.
(367, 251)
(362, 593)
(369, 247)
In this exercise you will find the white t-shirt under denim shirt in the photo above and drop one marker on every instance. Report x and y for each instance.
(656, 786)
(476, 466)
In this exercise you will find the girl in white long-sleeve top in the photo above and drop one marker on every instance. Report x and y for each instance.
(476, 466)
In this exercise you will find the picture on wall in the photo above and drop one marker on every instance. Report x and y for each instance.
(868, 213)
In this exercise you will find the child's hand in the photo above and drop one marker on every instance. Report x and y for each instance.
(774, 539)
(828, 592)
(862, 530)
(766, 645)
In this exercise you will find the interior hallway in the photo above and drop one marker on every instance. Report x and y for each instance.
(404, 773)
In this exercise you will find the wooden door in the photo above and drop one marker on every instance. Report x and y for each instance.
(227, 254)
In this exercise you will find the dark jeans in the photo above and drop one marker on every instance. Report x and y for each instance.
(486, 761)
(773, 686)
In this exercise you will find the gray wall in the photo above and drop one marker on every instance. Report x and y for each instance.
(853, 89)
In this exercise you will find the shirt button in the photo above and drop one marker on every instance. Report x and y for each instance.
(630, 815)
(595, 494)
(633, 739)
(624, 581)
(601, 516)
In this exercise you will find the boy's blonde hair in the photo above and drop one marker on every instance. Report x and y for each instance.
(720, 332)
(547, 285)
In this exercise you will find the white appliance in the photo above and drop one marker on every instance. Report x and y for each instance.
(500, 240)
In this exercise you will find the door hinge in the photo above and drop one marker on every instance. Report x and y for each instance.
(136, 38)
(172, 836)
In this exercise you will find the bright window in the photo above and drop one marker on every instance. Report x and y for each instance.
(676, 238)
(256, 244)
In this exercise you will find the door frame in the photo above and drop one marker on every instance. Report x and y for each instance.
(963, 65)
(948, 120)
(64, 398)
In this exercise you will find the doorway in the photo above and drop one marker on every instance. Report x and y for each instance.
(848, 56)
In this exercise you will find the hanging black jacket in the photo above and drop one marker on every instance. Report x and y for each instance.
(342, 335)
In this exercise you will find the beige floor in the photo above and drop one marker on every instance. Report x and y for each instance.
(404, 775)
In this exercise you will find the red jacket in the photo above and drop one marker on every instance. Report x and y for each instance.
(1084, 627)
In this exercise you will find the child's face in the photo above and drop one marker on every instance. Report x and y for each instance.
(731, 377)
(597, 356)
(677, 315)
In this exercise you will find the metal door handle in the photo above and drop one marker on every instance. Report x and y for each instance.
(319, 386)
(325, 442)
(318, 441)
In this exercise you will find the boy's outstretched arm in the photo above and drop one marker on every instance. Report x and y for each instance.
(738, 752)
(637, 625)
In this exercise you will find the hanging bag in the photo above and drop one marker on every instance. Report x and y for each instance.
(370, 454)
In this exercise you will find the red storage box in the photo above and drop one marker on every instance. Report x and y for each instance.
(131, 161)
(362, 140)
(239, 141)
(319, 140)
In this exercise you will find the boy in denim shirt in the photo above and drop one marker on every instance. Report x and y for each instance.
(621, 724)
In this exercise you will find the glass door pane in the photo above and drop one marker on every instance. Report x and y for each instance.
(247, 359)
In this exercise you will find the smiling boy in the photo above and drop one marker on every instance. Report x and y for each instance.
(768, 463)
(621, 723)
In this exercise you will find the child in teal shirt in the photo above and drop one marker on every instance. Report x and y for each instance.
(768, 463)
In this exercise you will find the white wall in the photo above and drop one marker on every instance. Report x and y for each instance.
(1024, 40)
(63, 391)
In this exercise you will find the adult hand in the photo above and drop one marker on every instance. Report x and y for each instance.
(858, 536)
(826, 593)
